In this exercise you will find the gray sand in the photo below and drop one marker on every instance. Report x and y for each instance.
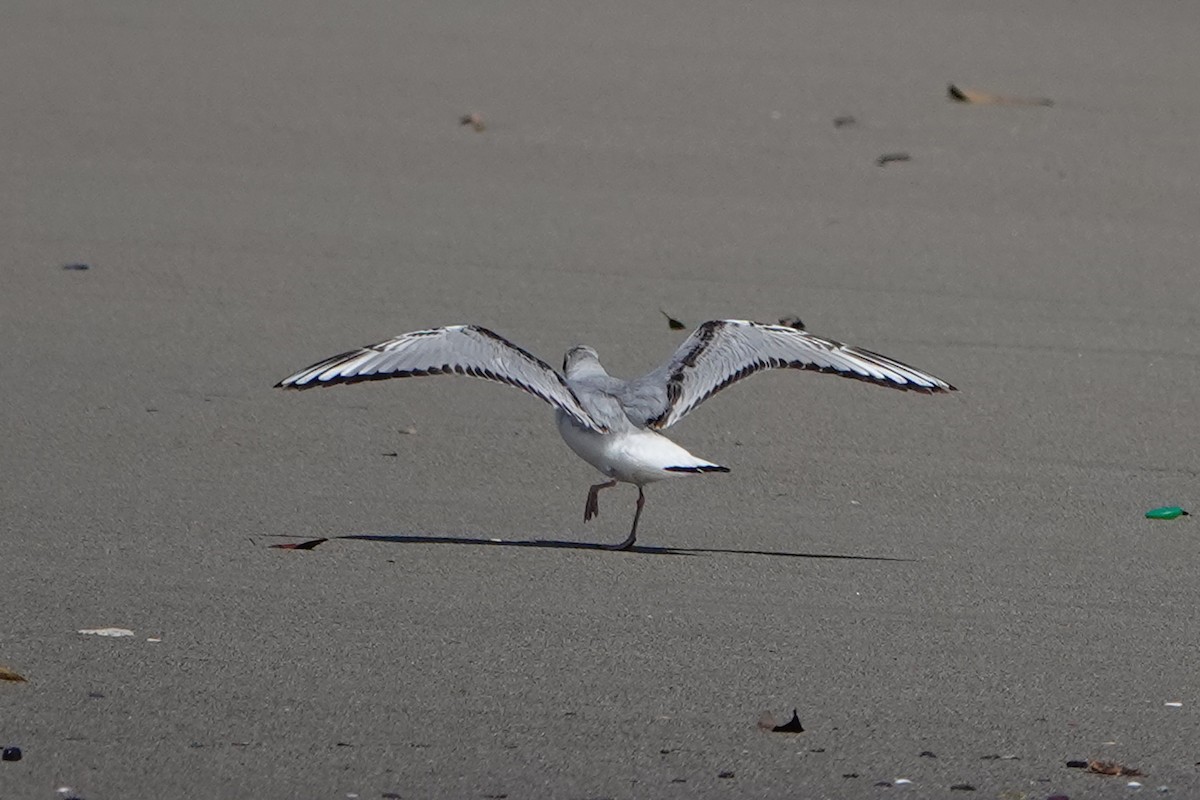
(257, 186)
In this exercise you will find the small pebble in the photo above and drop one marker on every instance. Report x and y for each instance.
(927, 754)
(962, 787)
(725, 774)
(1077, 764)
(903, 781)
(11, 754)
(76, 267)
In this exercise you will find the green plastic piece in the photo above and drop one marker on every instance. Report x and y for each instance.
(1166, 512)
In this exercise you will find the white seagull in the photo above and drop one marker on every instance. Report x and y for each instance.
(610, 423)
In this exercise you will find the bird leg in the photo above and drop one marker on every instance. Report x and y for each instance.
(632, 537)
(592, 509)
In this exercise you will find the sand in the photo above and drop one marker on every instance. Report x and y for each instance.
(257, 186)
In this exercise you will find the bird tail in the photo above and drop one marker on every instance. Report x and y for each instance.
(701, 466)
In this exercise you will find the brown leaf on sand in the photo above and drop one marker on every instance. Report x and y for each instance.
(1112, 768)
(474, 120)
(988, 99)
(309, 545)
(7, 674)
(767, 723)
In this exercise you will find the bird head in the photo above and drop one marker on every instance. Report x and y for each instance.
(582, 360)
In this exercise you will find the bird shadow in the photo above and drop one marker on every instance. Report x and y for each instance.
(558, 544)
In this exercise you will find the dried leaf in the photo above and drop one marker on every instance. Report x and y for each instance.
(1112, 768)
(890, 158)
(309, 545)
(767, 723)
(474, 120)
(987, 99)
(7, 674)
(673, 323)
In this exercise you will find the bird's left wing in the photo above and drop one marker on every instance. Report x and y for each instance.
(452, 350)
(724, 351)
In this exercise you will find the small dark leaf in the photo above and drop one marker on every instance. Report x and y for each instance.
(891, 158)
(309, 545)
(928, 754)
(791, 726)
(474, 120)
(673, 323)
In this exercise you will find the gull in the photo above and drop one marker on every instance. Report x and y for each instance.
(610, 423)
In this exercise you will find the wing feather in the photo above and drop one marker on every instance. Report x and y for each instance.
(452, 350)
(721, 352)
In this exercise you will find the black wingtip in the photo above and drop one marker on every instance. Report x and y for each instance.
(706, 468)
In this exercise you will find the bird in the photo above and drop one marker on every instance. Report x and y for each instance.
(613, 424)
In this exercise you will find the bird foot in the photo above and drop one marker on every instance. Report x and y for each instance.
(625, 545)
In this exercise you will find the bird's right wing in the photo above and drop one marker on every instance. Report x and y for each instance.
(452, 350)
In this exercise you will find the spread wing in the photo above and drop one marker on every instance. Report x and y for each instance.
(722, 352)
(452, 350)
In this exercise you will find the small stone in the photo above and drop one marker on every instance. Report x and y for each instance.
(962, 787)
(11, 754)
(725, 774)
(76, 267)
(927, 754)
(1077, 764)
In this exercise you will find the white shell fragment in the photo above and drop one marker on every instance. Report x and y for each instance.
(107, 631)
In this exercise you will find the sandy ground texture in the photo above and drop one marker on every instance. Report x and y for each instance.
(255, 186)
